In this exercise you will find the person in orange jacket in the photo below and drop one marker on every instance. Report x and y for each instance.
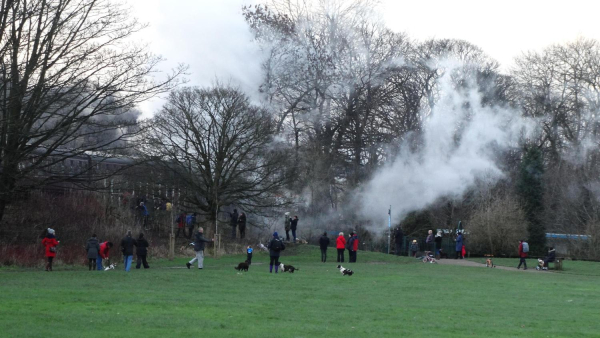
(50, 243)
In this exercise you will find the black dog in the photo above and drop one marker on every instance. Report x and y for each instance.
(242, 266)
(344, 271)
(443, 254)
(287, 268)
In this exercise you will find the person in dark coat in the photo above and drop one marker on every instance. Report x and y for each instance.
(353, 247)
(242, 225)
(199, 241)
(233, 222)
(190, 221)
(127, 244)
(92, 248)
(340, 245)
(275, 247)
(141, 250)
(323, 244)
(50, 243)
(294, 226)
(429, 242)
(287, 226)
(438, 243)
(459, 246)
(550, 257)
(398, 240)
(522, 256)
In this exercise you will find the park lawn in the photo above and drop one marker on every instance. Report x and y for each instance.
(387, 296)
(580, 268)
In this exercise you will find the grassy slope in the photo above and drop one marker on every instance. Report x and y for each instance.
(400, 297)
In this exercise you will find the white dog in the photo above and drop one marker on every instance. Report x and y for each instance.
(344, 271)
(110, 267)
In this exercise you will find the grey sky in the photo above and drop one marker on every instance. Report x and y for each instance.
(212, 38)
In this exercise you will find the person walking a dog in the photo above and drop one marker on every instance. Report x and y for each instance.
(323, 244)
(141, 250)
(103, 254)
(523, 250)
(398, 240)
(127, 244)
(199, 241)
(92, 247)
(275, 247)
(340, 245)
(50, 243)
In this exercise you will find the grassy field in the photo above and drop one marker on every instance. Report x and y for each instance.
(387, 296)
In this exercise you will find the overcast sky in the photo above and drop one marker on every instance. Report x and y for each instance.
(212, 38)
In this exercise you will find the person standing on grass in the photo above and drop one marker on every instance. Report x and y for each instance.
(323, 244)
(92, 248)
(398, 240)
(199, 241)
(294, 226)
(233, 221)
(429, 241)
(249, 251)
(287, 226)
(414, 248)
(523, 254)
(275, 246)
(438, 243)
(340, 245)
(141, 250)
(459, 246)
(127, 244)
(103, 254)
(242, 225)
(50, 243)
(353, 247)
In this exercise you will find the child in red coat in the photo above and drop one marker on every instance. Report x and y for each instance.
(50, 243)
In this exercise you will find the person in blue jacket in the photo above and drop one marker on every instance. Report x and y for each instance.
(459, 245)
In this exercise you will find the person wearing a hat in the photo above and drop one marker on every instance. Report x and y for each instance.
(50, 243)
(353, 247)
(275, 247)
(414, 248)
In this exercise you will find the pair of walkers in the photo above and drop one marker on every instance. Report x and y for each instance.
(141, 244)
(97, 252)
(352, 245)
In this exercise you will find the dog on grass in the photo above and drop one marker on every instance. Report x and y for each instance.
(287, 268)
(243, 266)
(489, 263)
(110, 267)
(344, 271)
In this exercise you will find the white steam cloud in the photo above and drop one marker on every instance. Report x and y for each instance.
(460, 140)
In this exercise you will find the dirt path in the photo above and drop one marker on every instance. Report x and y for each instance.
(464, 262)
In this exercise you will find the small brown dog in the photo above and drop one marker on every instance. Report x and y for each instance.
(489, 263)
(242, 266)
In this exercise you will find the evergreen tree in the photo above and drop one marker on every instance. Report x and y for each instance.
(531, 190)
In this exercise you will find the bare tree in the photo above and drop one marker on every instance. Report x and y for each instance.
(221, 147)
(68, 72)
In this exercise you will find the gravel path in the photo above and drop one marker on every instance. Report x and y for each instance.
(465, 262)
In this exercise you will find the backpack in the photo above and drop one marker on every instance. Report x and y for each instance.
(276, 245)
(525, 247)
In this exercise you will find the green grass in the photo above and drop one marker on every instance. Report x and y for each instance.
(387, 297)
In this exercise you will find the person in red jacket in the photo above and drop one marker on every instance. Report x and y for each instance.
(353, 247)
(522, 256)
(340, 244)
(50, 243)
(103, 254)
